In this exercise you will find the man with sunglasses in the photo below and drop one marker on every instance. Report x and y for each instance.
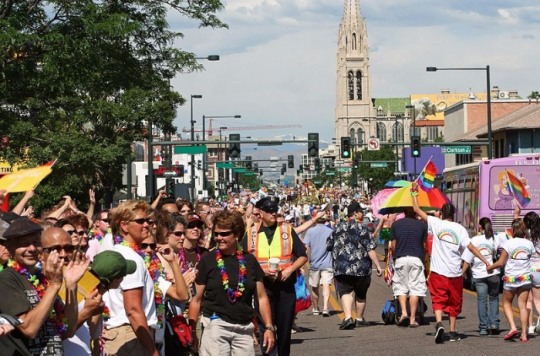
(100, 229)
(30, 287)
(268, 239)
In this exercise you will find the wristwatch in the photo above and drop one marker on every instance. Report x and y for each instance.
(272, 328)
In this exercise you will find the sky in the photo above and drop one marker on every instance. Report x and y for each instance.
(278, 58)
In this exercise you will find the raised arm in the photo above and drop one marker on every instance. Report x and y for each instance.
(19, 208)
(416, 207)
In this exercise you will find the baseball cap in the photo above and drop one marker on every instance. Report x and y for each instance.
(268, 205)
(110, 265)
(194, 220)
(20, 227)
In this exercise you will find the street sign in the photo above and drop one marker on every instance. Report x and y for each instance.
(190, 150)
(330, 173)
(373, 144)
(339, 161)
(456, 150)
(226, 165)
(378, 165)
(248, 173)
(169, 174)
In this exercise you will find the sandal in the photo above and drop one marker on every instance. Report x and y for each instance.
(523, 340)
(414, 325)
(404, 321)
(512, 334)
(315, 312)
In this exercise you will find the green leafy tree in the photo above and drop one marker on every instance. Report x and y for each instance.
(534, 95)
(81, 79)
(376, 177)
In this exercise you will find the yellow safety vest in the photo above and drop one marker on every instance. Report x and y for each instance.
(281, 246)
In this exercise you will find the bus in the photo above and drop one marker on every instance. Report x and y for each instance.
(479, 189)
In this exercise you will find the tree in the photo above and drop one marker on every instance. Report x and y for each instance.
(534, 95)
(376, 176)
(80, 80)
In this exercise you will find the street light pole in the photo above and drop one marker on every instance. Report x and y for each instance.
(222, 158)
(205, 160)
(488, 101)
(192, 155)
(413, 117)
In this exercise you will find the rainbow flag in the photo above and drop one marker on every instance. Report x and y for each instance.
(426, 179)
(517, 189)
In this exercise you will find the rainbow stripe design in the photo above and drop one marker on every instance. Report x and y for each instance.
(515, 279)
(517, 189)
(426, 179)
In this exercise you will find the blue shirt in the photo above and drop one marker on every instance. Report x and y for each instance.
(315, 239)
(410, 235)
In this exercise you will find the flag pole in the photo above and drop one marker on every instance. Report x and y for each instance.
(429, 160)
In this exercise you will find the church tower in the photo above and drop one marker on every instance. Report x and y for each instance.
(354, 107)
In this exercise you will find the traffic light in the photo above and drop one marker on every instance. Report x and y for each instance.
(170, 186)
(283, 168)
(234, 148)
(317, 164)
(290, 161)
(255, 167)
(301, 169)
(356, 163)
(249, 164)
(345, 147)
(313, 144)
(415, 147)
(199, 165)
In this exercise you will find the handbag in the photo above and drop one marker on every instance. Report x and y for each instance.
(177, 329)
(303, 296)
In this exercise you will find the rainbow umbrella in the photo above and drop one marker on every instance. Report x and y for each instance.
(401, 198)
(379, 199)
(397, 184)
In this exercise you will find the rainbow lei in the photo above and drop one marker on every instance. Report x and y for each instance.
(39, 283)
(156, 270)
(514, 279)
(183, 260)
(242, 272)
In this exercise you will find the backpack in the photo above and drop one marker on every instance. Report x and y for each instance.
(389, 312)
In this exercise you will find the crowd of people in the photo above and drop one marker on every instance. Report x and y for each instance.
(231, 268)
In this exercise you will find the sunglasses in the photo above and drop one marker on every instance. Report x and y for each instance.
(223, 233)
(80, 233)
(186, 211)
(58, 248)
(176, 233)
(144, 220)
(144, 246)
(105, 220)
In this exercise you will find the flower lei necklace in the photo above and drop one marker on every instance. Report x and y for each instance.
(183, 261)
(156, 270)
(242, 272)
(39, 283)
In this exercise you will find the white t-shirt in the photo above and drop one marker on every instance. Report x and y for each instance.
(114, 298)
(449, 241)
(79, 344)
(488, 249)
(535, 258)
(519, 256)
(164, 285)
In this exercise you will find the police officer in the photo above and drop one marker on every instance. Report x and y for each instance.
(277, 245)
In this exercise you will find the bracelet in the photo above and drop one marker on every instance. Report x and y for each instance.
(414, 193)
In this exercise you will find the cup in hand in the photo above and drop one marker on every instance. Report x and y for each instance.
(273, 264)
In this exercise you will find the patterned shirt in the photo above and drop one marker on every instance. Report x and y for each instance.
(351, 243)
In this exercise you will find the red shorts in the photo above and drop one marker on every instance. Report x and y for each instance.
(446, 293)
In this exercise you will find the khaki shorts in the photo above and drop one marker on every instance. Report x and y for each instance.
(122, 341)
(324, 276)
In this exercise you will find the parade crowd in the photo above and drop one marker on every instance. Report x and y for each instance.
(223, 277)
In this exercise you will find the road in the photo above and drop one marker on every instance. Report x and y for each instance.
(321, 336)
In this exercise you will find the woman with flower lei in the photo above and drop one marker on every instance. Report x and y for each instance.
(132, 309)
(226, 283)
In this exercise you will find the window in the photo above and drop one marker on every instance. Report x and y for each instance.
(351, 85)
(381, 131)
(360, 136)
(397, 132)
(352, 136)
(432, 133)
(354, 41)
(359, 85)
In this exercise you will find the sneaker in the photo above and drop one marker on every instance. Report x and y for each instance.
(325, 313)
(454, 336)
(347, 324)
(531, 330)
(315, 312)
(494, 331)
(361, 322)
(439, 333)
(483, 332)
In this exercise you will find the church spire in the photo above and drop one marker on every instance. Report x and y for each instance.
(353, 89)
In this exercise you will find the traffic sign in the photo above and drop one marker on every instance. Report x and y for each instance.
(190, 150)
(330, 173)
(373, 144)
(226, 165)
(339, 161)
(169, 174)
(378, 165)
(456, 150)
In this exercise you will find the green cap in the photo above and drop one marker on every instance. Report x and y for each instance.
(110, 265)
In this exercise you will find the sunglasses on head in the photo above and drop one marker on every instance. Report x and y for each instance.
(58, 248)
(144, 220)
(144, 246)
(222, 233)
(195, 225)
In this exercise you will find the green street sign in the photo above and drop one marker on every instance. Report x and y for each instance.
(248, 173)
(190, 150)
(378, 165)
(317, 182)
(239, 169)
(344, 169)
(330, 173)
(456, 150)
(225, 165)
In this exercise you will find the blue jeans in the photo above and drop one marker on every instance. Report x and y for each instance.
(488, 287)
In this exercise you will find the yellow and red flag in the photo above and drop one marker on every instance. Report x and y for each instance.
(25, 179)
